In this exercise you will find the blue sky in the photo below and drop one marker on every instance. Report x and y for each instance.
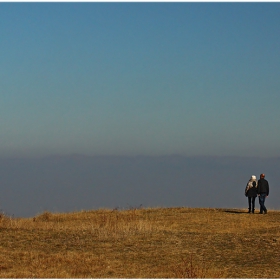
(140, 79)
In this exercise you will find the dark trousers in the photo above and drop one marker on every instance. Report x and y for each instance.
(251, 201)
(261, 201)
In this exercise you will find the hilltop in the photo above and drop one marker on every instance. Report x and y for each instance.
(141, 243)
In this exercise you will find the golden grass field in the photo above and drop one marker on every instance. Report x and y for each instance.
(142, 243)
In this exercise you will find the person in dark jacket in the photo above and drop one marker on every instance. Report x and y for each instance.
(263, 192)
(251, 191)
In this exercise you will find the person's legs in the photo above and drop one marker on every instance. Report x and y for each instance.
(262, 201)
(253, 204)
(249, 203)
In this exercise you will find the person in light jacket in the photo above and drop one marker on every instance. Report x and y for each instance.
(251, 191)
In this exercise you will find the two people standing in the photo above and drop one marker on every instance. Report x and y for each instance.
(256, 188)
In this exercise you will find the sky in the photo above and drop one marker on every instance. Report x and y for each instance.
(126, 79)
(118, 104)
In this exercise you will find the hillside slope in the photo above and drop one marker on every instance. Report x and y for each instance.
(142, 243)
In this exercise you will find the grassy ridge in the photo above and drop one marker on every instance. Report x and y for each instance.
(142, 243)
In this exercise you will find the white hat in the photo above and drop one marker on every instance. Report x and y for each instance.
(253, 177)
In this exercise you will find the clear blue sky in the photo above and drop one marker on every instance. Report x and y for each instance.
(140, 79)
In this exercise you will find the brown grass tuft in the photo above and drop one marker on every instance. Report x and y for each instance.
(188, 268)
(44, 217)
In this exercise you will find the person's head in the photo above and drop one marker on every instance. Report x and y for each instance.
(262, 176)
(253, 177)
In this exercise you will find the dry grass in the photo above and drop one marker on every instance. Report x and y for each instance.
(141, 243)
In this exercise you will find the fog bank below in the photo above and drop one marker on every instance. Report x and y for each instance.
(73, 183)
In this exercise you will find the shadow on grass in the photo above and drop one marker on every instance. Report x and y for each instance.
(235, 211)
